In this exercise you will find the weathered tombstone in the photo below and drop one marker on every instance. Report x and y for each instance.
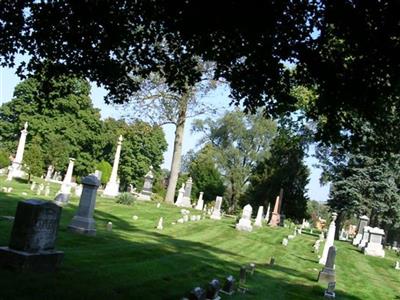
(374, 245)
(216, 214)
(272, 261)
(394, 245)
(365, 237)
(197, 293)
(266, 219)
(109, 226)
(245, 221)
(229, 285)
(33, 185)
(360, 230)
(330, 291)
(49, 173)
(329, 239)
(78, 189)
(275, 219)
(188, 190)
(180, 201)
(200, 202)
(147, 190)
(15, 170)
(33, 236)
(213, 289)
(285, 242)
(328, 271)
(47, 190)
(83, 221)
(63, 196)
(258, 221)
(242, 275)
(160, 224)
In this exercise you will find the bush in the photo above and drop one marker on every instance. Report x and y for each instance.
(126, 199)
(105, 169)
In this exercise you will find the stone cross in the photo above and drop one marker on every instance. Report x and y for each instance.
(112, 187)
(329, 239)
(216, 214)
(258, 221)
(83, 221)
(33, 236)
(15, 170)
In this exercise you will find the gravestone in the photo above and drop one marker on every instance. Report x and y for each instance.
(216, 214)
(330, 291)
(33, 236)
(213, 289)
(200, 202)
(374, 246)
(98, 174)
(160, 224)
(285, 242)
(245, 221)
(65, 191)
(258, 221)
(112, 186)
(275, 219)
(328, 271)
(79, 189)
(329, 239)
(181, 201)
(197, 293)
(365, 237)
(83, 221)
(147, 190)
(360, 229)
(229, 285)
(266, 219)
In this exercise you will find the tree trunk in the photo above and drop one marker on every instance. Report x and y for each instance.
(177, 152)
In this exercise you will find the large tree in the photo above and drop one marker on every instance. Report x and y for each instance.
(346, 50)
(239, 141)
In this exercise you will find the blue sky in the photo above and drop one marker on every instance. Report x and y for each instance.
(219, 98)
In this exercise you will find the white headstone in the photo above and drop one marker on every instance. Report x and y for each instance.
(216, 214)
(258, 221)
(182, 201)
(15, 170)
(109, 226)
(160, 224)
(374, 245)
(285, 242)
(245, 221)
(200, 202)
(266, 219)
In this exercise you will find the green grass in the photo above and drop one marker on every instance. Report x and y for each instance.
(136, 261)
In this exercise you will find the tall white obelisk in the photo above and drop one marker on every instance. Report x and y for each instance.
(112, 186)
(65, 190)
(15, 170)
(330, 238)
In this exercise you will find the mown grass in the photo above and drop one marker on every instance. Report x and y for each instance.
(136, 261)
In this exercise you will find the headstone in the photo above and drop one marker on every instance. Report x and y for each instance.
(79, 189)
(158, 205)
(272, 261)
(266, 219)
(276, 217)
(245, 221)
(188, 190)
(330, 291)
(316, 246)
(112, 187)
(394, 245)
(374, 246)
(216, 214)
(242, 275)
(328, 272)
(397, 265)
(360, 229)
(160, 224)
(147, 190)
(49, 173)
(33, 185)
(109, 226)
(181, 201)
(229, 285)
(213, 289)
(186, 218)
(47, 190)
(98, 174)
(365, 237)
(197, 293)
(200, 202)
(63, 196)
(285, 242)
(329, 239)
(40, 189)
(15, 170)
(258, 221)
(33, 236)
(83, 221)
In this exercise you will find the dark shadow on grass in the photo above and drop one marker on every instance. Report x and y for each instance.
(306, 259)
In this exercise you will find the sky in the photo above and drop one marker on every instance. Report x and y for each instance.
(219, 98)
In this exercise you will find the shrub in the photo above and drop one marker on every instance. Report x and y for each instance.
(126, 199)
(105, 169)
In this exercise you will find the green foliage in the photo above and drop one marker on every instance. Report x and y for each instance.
(239, 142)
(4, 159)
(284, 168)
(317, 209)
(33, 159)
(105, 169)
(206, 177)
(125, 199)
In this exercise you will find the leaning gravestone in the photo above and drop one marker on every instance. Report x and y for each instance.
(83, 221)
(33, 237)
(328, 272)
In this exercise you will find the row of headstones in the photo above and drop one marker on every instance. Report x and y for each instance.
(369, 239)
(297, 231)
(229, 288)
(35, 227)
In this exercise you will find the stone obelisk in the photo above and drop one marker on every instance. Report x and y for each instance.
(15, 170)
(276, 217)
(112, 186)
(65, 191)
(329, 239)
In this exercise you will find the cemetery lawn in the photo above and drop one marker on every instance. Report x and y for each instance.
(136, 261)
